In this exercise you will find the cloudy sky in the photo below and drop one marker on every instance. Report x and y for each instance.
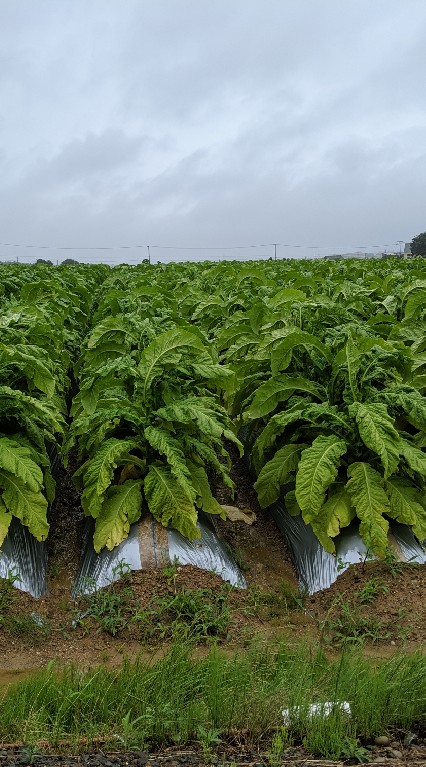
(210, 123)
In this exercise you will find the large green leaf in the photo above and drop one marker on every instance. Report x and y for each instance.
(337, 512)
(317, 470)
(203, 412)
(278, 389)
(120, 509)
(24, 358)
(377, 431)
(267, 438)
(167, 349)
(366, 489)
(416, 303)
(44, 412)
(276, 473)
(112, 329)
(349, 359)
(282, 353)
(406, 507)
(97, 473)
(286, 295)
(169, 503)
(414, 405)
(17, 460)
(28, 506)
(205, 499)
(215, 374)
(199, 450)
(415, 457)
(166, 445)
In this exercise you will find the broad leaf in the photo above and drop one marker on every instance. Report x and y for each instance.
(166, 445)
(366, 489)
(98, 472)
(282, 353)
(317, 470)
(121, 508)
(168, 502)
(203, 412)
(167, 349)
(267, 438)
(17, 460)
(279, 389)
(337, 512)
(28, 506)
(205, 499)
(406, 507)
(276, 473)
(111, 329)
(415, 457)
(377, 431)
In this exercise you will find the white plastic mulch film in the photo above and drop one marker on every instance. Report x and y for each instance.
(23, 560)
(316, 569)
(151, 545)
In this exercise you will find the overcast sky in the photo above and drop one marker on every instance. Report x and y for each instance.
(211, 123)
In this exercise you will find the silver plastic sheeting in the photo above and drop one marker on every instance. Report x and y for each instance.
(208, 553)
(150, 545)
(24, 559)
(316, 569)
(408, 543)
(97, 570)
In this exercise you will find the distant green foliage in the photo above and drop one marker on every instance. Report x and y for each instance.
(418, 245)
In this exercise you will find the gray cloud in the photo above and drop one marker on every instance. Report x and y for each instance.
(214, 122)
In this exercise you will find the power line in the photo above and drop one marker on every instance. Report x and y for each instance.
(188, 247)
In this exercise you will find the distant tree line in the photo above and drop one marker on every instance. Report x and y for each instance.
(65, 262)
(418, 245)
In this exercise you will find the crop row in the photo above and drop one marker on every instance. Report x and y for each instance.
(320, 368)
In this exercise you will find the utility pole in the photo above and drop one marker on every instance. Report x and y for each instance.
(149, 255)
(275, 251)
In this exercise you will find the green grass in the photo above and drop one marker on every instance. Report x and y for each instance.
(178, 698)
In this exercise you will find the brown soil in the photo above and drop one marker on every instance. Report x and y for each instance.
(259, 549)
(271, 607)
(390, 604)
(66, 528)
(268, 611)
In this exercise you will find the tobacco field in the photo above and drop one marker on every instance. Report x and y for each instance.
(148, 374)
(172, 391)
